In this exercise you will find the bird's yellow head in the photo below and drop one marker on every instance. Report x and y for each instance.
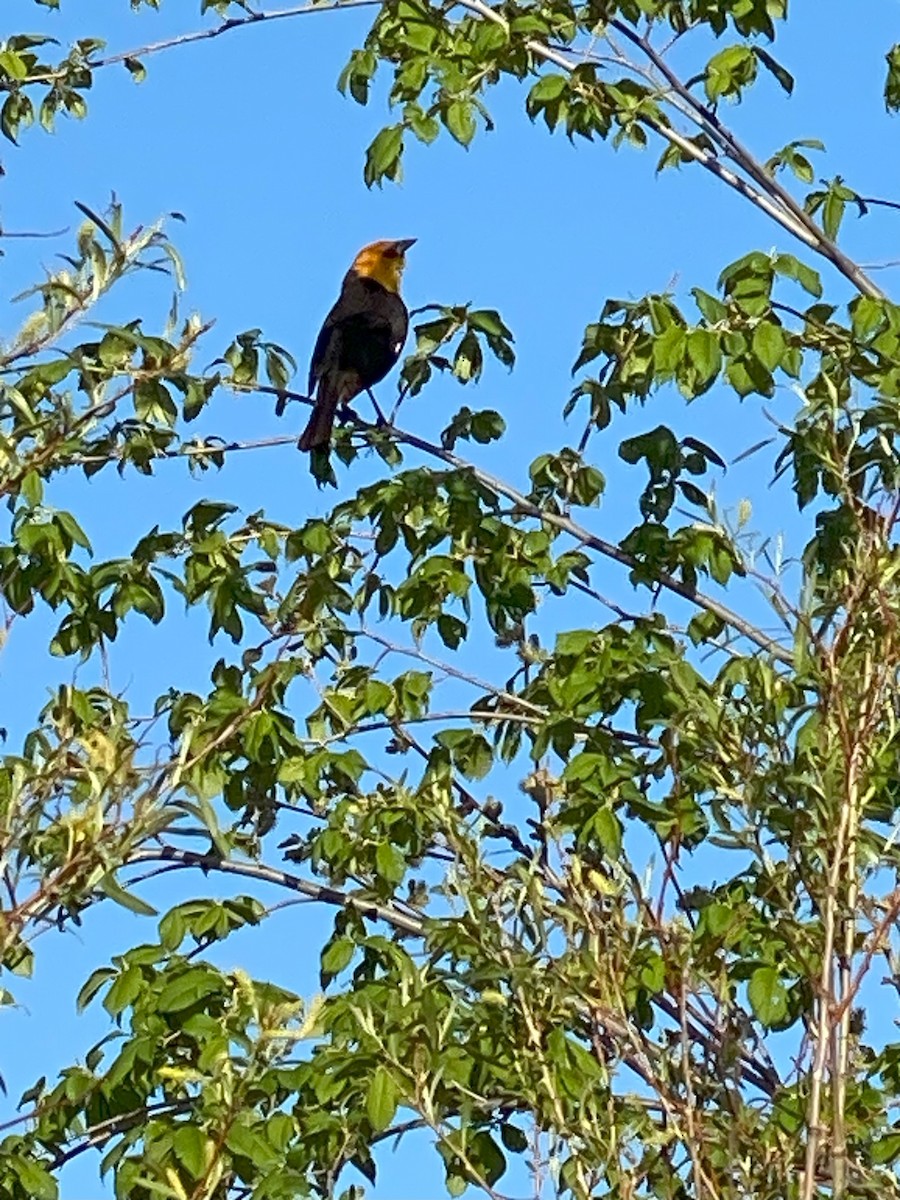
(384, 262)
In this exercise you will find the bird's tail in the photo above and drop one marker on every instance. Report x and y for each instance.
(321, 421)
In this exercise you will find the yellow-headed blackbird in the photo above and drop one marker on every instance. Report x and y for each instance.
(362, 336)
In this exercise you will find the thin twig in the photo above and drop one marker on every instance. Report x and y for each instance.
(53, 233)
(534, 710)
(189, 451)
(198, 35)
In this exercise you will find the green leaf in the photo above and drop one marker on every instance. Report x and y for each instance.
(693, 494)
(280, 1130)
(383, 158)
(833, 213)
(575, 642)
(93, 985)
(892, 80)
(768, 996)
(769, 344)
(192, 1149)
(729, 72)
(712, 308)
(784, 77)
(513, 1138)
(425, 127)
(335, 957)
(487, 1157)
(885, 1150)
(357, 75)
(740, 378)
(459, 117)
(802, 168)
(19, 959)
(486, 426)
(36, 1179)
(249, 1143)
(704, 627)
(390, 863)
(548, 87)
(13, 65)
(792, 268)
(136, 69)
(867, 314)
(488, 321)
(17, 111)
(608, 831)
(705, 355)
(152, 402)
(381, 1100)
(172, 928)
(111, 887)
(72, 529)
(126, 989)
(32, 488)
(186, 989)
(668, 349)
(468, 359)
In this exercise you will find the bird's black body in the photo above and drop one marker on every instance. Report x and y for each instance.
(359, 343)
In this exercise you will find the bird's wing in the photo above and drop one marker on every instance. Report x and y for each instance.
(364, 332)
(325, 351)
(326, 355)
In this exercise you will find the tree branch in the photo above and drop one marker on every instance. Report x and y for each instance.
(791, 215)
(33, 233)
(97, 1135)
(586, 538)
(259, 871)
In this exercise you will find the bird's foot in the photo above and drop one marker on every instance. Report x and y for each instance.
(380, 419)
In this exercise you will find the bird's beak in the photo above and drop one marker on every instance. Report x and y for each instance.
(404, 244)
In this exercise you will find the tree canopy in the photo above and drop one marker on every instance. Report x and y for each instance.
(595, 794)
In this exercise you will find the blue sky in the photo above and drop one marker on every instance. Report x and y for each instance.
(248, 137)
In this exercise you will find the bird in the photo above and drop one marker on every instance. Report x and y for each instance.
(362, 336)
